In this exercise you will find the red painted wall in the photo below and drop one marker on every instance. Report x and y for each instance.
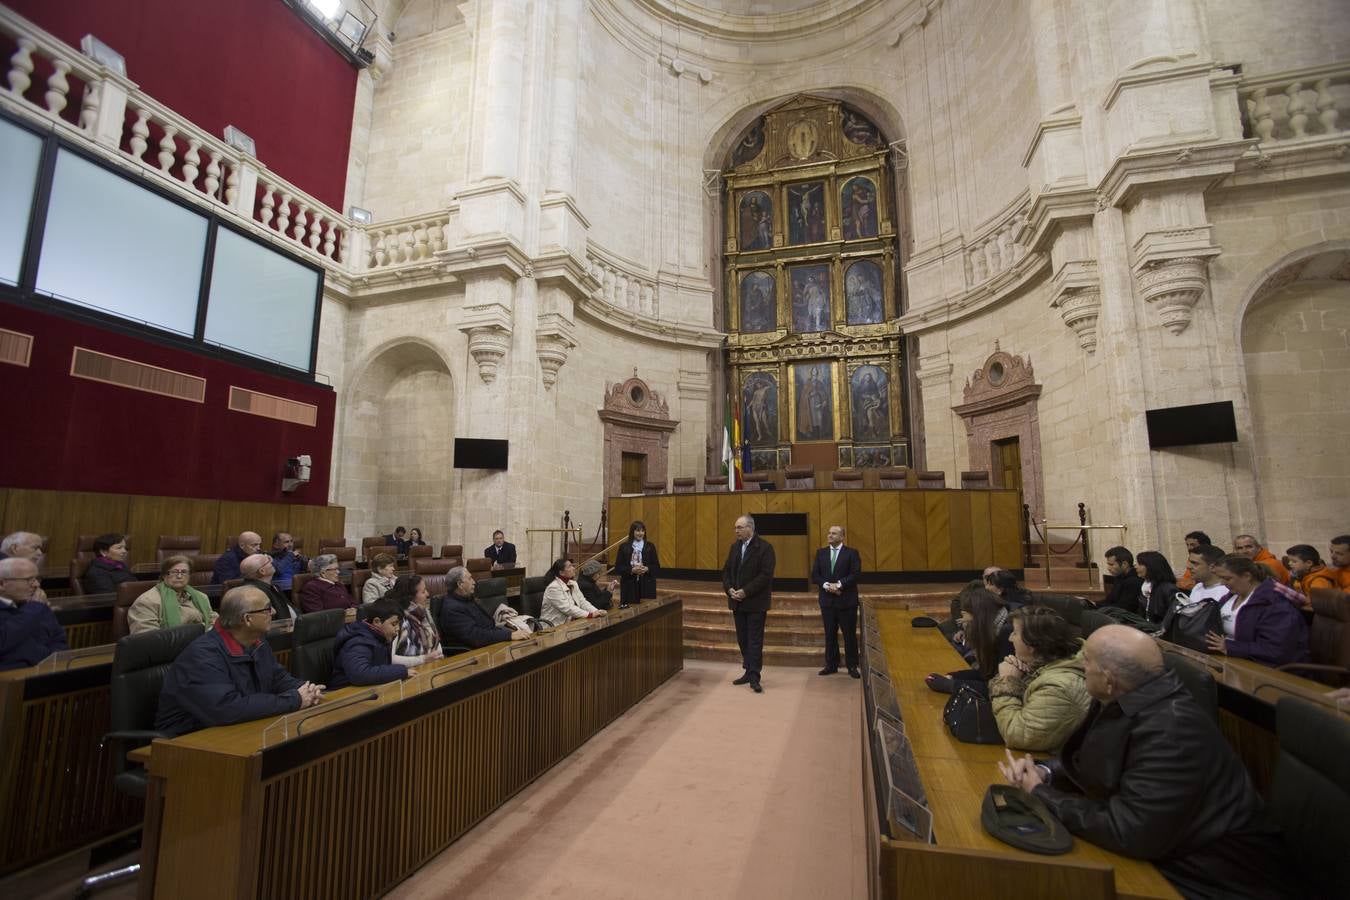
(65, 433)
(254, 64)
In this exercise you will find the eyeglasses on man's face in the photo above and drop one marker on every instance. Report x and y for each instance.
(261, 611)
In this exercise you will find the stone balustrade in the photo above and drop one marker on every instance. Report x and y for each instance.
(997, 248)
(621, 287)
(412, 239)
(1296, 106)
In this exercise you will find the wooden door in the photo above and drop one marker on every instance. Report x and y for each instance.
(632, 472)
(1007, 457)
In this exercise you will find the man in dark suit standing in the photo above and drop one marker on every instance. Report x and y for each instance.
(747, 579)
(836, 571)
(501, 553)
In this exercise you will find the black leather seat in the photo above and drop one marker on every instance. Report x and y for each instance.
(1070, 608)
(1198, 681)
(1092, 620)
(312, 644)
(140, 664)
(490, 594)
(1311, 792)
(532, 595)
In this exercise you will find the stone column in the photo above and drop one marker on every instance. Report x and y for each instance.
(504, 90)
(566, 77)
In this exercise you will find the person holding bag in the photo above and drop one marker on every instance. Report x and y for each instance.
(1260, 619)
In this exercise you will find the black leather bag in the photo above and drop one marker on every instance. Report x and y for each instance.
(1132, 619)
(1186, 624)
(970, 717)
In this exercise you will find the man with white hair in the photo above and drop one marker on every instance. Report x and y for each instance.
(22, 544)
(1148, 775)
(29, 632)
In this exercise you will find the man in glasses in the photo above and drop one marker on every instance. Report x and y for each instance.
(29, 632)
(229, 674)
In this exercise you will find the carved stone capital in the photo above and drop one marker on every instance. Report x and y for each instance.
(554, 340)
(1173, 287)
(1076, 293)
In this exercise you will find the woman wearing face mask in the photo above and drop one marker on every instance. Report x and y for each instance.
(637, 566)
(418, 641)
(1261, 621)
(108, 568)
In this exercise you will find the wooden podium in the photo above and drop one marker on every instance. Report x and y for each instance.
(902, 535)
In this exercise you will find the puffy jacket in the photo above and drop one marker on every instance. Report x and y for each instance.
(215, 681)
(1039, 713)
(361, 656)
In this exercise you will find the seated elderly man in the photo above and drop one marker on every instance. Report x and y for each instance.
(22, 544)
(229, 674)
(227, 567)
(463, 622)
(171, 602)
(29, 632)
(1148, 775)
(258, 571)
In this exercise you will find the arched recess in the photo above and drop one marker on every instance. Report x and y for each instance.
(396, 442)
(1295, 341)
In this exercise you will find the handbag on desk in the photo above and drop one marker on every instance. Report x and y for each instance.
(1186, 624)
(970, 717)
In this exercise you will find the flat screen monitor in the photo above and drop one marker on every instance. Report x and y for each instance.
(1183, 426)
(480, 453)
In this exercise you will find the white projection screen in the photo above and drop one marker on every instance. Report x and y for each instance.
(111, 244)
(261, 302)
(22, 152)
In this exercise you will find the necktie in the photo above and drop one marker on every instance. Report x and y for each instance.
(834, 558)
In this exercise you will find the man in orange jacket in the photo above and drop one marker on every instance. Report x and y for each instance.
(1248, 546)
(1340, 560)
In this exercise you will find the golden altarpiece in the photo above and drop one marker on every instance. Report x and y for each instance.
(812, 287)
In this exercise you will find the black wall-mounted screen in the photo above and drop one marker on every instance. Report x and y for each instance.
(480, 453)
(1183, 426)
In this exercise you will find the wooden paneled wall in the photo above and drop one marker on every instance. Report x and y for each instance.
(894, 531)
(64, 515)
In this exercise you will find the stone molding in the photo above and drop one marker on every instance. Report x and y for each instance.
(637, 420)
(555, 337)
(1001, 402)
(1076, 292)
(489, 327)
(1173, 287)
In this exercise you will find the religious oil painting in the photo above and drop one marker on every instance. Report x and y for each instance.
(862, 293)
(759, 405)
(810, 298)
(806, 212)
(870, 408)
(858, 205)
(858, 130)
(758, 303)
(750, 144)
(871, 457)
(814, 386)
(756, 222)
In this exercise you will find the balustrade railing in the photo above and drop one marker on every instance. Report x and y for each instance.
(622, 288)
(408, 240)
(997, 249)
(1296, 106)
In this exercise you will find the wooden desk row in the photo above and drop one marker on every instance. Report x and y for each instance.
(350, 797)
(898, 532)
(964, 860)
(56, 783)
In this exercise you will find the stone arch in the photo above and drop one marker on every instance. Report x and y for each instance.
(1293, 331)
(397, 430)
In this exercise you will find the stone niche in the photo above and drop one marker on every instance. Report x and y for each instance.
(637, 420)
(1000, 403)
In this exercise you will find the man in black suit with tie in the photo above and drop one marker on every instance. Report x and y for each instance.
(501, 553)
(747, 579)
(836, 571)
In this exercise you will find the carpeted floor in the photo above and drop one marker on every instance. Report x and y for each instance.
(702, 790)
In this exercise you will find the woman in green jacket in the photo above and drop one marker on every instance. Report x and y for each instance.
(1039, 694)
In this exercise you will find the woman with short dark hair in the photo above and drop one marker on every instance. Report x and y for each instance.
(1040, 693)
(1011, 594)
(109, 567)
(1160, 584)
